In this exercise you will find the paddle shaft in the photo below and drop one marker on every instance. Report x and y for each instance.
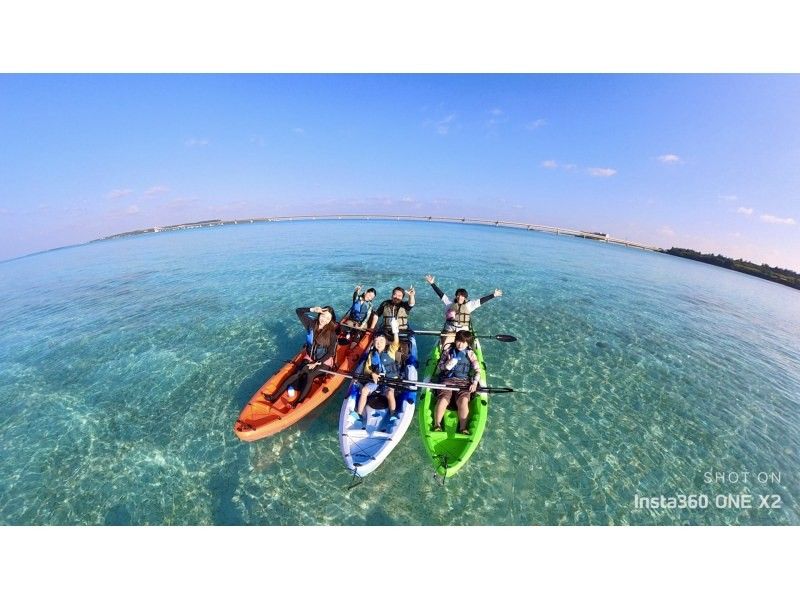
(402, 382)
(503, 338)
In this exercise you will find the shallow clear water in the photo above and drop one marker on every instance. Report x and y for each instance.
(124, 364)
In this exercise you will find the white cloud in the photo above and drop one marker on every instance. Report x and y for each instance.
(197, 142)
(536, 124)
(132, 209)
(498, 117)
(156, 190)
(604, 172)
(257, 140)
(729, 198)
(553, 164)
(117, 193)
(745, 211)
(299, 131)
(770, 219)
(670, 159)
(443, 126)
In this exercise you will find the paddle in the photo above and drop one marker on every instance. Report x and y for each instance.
(402, 333)
(503, 338)
(401, 382)
(355, 327)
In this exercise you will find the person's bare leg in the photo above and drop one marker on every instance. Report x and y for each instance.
(441, 406)
(463, 410)
(362, 400)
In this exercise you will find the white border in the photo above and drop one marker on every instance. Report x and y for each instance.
(312, 561)
(411, 36)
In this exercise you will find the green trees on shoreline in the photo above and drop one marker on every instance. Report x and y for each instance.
(779, 275)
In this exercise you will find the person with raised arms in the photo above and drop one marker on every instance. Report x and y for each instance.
(458, 312)
(359, 315)
(395, 309)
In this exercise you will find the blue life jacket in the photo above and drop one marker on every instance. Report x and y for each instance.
(359, 310)
(461, 371)
(383, 363)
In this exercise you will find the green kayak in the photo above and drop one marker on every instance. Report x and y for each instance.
(448, 450)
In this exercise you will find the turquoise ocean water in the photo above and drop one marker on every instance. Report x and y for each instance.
(124, 364)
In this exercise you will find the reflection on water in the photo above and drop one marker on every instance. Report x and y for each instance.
(124, 364)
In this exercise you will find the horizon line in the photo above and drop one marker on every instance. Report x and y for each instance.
(557, 230)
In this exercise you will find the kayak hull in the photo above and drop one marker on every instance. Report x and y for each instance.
(448, 450)
(365, 447)
(261, 418)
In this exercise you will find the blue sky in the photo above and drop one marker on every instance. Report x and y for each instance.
(706, 162)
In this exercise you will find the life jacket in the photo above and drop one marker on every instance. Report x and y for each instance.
(360, 309)
(461, 371)
(383, 363)
(395, 311)
(314, 351)
(462, 316)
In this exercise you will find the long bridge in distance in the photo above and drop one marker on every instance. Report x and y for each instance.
(596, 236)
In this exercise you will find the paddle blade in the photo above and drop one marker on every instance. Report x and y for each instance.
(505, 338)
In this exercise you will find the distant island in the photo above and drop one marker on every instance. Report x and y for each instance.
(779, 275)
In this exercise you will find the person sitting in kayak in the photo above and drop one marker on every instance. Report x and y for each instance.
(381, 364)
(458, 313)
(458, 367)
(395, 309)
(321, 342)
(358, 316)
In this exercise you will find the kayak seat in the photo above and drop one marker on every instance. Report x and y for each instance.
(377, 401)
(453, 406)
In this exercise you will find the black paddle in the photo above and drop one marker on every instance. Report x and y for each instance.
(405, 383)
(351, 327)
(503, 338)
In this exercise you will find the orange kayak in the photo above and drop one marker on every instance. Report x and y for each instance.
(260, 418)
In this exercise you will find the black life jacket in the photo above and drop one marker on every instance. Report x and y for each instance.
(315, 351)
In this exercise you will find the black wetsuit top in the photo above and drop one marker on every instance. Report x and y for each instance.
(310, 323)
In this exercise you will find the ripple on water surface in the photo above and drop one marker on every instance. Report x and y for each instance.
(124, 364)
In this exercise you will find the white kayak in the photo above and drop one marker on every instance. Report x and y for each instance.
(364, 447)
